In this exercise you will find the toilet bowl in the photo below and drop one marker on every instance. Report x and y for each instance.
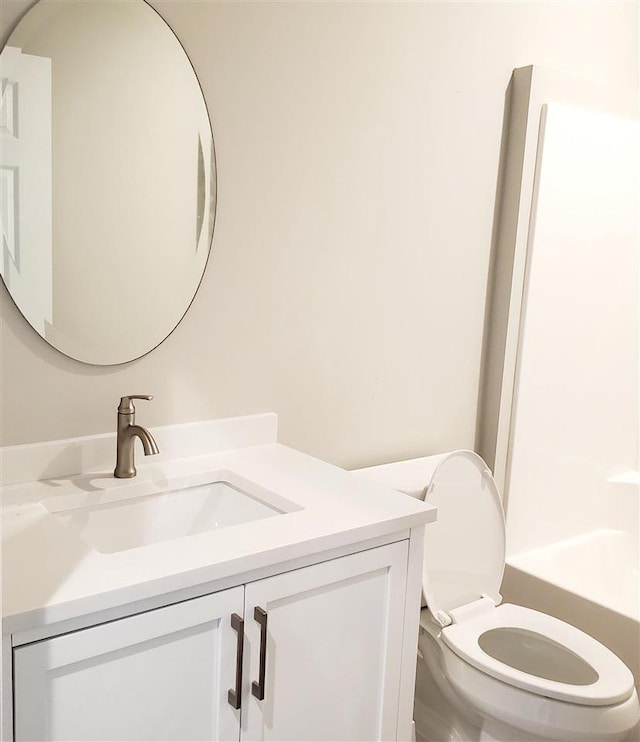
(492, 672)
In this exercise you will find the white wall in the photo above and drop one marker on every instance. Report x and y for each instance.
(358, 148)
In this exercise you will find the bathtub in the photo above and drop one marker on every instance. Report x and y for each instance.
(591, 580)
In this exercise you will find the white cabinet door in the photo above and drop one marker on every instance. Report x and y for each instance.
(160, 675)
(333, 650)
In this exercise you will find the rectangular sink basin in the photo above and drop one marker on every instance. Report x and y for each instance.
(128, 517)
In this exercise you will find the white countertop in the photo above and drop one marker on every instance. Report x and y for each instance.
(50, 574)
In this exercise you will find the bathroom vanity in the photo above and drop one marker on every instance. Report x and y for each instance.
(235, 589)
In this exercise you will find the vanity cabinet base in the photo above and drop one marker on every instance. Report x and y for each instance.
(314, 654)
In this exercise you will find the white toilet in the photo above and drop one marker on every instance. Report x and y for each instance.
(490, 672)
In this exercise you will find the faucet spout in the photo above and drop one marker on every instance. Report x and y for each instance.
(148, 441)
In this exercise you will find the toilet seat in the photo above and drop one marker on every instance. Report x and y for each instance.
(614, 681)
(463, 568)
(547, 718)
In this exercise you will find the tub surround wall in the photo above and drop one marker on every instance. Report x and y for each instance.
(358, 147)
(575, 415)
(529, 90)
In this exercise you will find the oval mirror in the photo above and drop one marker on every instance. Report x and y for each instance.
(107, 177)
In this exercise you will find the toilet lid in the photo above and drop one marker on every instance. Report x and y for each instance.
(465, 548)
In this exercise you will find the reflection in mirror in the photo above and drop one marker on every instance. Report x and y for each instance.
(107, 177)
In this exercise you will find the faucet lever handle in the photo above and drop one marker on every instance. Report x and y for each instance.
(126, 405)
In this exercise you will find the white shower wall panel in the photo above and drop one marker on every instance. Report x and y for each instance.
(576, 404)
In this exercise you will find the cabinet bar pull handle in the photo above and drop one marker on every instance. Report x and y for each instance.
(235, 694)
(257, 689)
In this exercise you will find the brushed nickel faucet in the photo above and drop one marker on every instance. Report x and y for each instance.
(128, 431)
